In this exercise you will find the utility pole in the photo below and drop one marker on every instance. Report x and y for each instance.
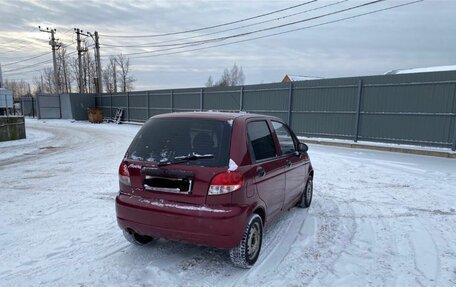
(54, 46)
(96, 39)
(115, 76)
(98, 61)
(80, 52)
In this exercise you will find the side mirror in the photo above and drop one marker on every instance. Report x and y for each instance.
(302, 147)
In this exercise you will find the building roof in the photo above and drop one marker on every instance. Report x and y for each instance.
(422, 70)
(294, 78)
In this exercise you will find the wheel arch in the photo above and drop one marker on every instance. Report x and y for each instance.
(261, 212)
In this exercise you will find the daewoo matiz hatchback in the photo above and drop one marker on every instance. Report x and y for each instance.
(213, 179)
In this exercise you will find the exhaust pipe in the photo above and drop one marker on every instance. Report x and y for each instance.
(136, 238)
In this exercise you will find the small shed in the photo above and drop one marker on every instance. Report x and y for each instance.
(6, 99)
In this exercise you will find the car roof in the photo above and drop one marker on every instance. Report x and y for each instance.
(216, 115)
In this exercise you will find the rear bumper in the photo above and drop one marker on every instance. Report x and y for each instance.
(219, 226)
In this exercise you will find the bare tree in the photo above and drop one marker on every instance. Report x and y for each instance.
(49, 85)
(89, 72)
(233, 77)
(225, 80)
(236, 76)
(38, 87)
(63, 61)
(108, 75)
(19, 88)
(210, 82)
(74, 73)
(125, 79)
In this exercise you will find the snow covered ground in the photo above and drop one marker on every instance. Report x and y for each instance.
(378, 219)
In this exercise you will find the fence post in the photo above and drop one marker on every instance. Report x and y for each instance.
(128, 106)
(358, 109)
(148, 106)
(110, 105)
(201, 99)
(38, 112)
(453, 147)
(22, 105)
(171, 97)
(33, 107)
(60, 106)
(6, 105)
(290, 103)
(241, 99)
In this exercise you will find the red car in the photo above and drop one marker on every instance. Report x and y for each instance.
(211, 178)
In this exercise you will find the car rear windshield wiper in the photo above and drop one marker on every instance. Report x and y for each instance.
(186, 158)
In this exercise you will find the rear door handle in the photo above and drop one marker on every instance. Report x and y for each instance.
(261, 172)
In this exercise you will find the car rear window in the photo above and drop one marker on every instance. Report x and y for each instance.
(162, 140)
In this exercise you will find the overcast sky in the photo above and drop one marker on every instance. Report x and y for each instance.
(418, 35)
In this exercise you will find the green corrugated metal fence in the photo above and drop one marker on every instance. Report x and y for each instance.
(407, 109)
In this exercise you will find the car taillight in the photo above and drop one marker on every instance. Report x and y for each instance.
(226, 182)
(124, 175)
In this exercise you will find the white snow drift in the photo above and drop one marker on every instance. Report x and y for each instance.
(378, 219)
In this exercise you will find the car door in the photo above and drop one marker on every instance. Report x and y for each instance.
(270, 175)
(296, 163)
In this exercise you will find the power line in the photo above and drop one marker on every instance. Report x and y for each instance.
(283, 32)
(202, 42)
(25, 72)
(160, 44)
(209, 27)
(16, 49)
(18, 41)
(22, 45)
(12, 63)
(29, 66)
(36, 64)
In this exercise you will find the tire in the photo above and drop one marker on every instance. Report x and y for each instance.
(306, 197)
(136, 238)
(246, 254)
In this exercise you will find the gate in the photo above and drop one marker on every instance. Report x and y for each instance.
(49, 106)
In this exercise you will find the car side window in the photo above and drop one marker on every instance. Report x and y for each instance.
(286, 141)
(261, 140)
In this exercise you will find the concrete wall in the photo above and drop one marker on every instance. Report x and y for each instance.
(12, 128)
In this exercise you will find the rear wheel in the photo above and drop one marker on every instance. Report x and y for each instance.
(306, 198)
(136, 238)
(246, 254)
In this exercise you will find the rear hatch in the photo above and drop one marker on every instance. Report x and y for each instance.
(176, 158)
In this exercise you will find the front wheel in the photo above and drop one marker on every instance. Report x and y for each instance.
(306, 197)
(246, 254)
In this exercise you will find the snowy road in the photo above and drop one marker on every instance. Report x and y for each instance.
(378, 219)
